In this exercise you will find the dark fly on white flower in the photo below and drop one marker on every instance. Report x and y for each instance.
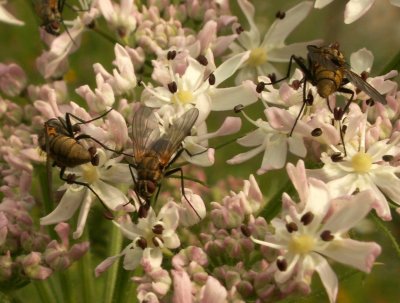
(61, 143)
(50, 13)
(154, 152)
(327, 69)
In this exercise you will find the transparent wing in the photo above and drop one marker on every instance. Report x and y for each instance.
(145, 131)
(365, 86)
(170, 142)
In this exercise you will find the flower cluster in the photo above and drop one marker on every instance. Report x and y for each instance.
(139, 142)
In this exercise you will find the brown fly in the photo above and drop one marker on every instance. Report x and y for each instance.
(50, 12)
(327, 69)
(154, 153)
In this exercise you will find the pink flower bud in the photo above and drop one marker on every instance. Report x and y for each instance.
(12, 79)
(5, 266)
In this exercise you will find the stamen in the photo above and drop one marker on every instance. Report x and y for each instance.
(281, 264)
(158, 229)
(307, 218)
(316, 132)
(327, 236)
(141, 242)
(211, 79)
(245, 230)
(173, 88)
(291, 227)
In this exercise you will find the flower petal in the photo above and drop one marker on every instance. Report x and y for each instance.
(228, 98)
(355, 9)
(328, 277)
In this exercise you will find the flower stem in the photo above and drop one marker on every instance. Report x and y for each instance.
(104, 35)
(112, 272)
(66, 288)
(86, 271)
(388, 233)
(44, 291)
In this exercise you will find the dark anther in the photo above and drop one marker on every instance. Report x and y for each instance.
(316, 132)
(158, 229)
(291, 227)
(92, 150)
(295, 84)
(370, 102)
(202, 60)
(344, 129)
(156, 241)
(238, 108)
(337, 157)
(272, 77)
(338, 113)
(95, 160)
(280, 15)
(239, 30)
(139, 82)
(91, 25)
(71, 178)
(173, 88)
(245, 230)
(327, 236)
(141, 242)
(307, 218)
(281, 264)
(387, 158)
(260, 87)
(310, 98)
(171, 55)
(356, 191)
(143, 210)
(364, 75)
(211, 79)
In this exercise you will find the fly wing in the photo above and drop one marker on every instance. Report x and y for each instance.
(170, 142)
(365, 86)
(145, 131)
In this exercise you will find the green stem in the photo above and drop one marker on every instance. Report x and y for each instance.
(388, 233)
(394, 64)
(104, 35)
(86, 271)
(112, 272)
(66, 287)
(44, 291)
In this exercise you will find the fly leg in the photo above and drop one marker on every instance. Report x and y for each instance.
(174, 170)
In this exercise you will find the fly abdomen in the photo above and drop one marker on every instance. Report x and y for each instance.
(328, 81)
(68, 152)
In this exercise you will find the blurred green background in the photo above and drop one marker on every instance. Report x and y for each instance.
(378, 30)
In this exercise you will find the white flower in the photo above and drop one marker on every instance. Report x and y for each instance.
(272, 48)
(149, 236)
(318, 228)
(99, 178)
(6, 17)
(194, 88)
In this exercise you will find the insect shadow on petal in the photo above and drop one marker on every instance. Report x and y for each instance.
(61, 143)
(327, 69)
(154, 153)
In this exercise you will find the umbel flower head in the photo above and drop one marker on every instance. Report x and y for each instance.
(316, 228)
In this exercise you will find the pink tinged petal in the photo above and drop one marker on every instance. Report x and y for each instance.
(361, 60)
(228, 98)
(281, 28)
(297, 146)
(103, 266)
(222, 43)
(83, 214)
(106, 9)
(69, 203)
(318, 200)
(246, 156)
(328, 277)
(118, 128)
(62, 230)
(229, 67)
(187, 214)
(274, 155)
(110, 195)
(230, 126)
(352, 210)
(345, 185)
(355, 9)
(213, 291)
(182, 287)
(252, 190)
(293, 261)
(253, 138)
(389, 184)
(297, 175)
(133, 256)
(207, 34)
(194, 74)
(253, 35)
(153, 256)
(170, 216)
(6, 17)
(282, 120)
(321, 3)
(78, 250)
(357, 254)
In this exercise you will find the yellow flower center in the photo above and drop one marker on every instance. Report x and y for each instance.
(89, 173)
(182, 96)
(361, 162)
(302, 244)
(258, 57)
